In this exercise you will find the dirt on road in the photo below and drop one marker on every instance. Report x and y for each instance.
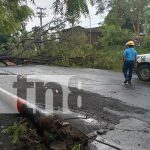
(100, 108)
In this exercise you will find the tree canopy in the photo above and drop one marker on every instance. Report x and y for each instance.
(128, 14)
(12, 14)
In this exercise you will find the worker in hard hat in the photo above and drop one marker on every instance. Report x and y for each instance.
(129, 58)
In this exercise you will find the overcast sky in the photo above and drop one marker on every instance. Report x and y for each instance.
(95, 19)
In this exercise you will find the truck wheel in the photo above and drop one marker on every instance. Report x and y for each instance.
(143, 72)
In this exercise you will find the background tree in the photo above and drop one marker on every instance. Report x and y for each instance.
(127, 14)
(73, 9)
(113, 36)
(147, 19)
(12, 15)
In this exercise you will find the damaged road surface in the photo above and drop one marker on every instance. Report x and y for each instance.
(98, 104)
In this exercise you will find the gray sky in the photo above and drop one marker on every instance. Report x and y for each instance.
(85, 22)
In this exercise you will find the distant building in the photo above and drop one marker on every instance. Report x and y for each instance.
(93, 34)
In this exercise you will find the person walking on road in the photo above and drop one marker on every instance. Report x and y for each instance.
(129, 58)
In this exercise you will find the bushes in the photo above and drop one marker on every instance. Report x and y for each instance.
(113, 36)
(108, 60)
(75, 50)
(146, 42)
(111, 60)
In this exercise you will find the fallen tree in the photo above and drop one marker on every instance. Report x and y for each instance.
(50, 122)
(10, 60)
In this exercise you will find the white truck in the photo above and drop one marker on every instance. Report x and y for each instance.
(143, 67)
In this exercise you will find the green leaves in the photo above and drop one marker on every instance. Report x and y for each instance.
(77, 6)
(71, 9)
(114, 35)
(76, 147)
(16, 131)
(23, 13)
(12, 14)
(127, 14)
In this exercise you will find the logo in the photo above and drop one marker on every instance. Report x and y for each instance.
(47, 92)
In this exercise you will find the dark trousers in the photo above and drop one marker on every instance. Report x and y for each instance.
(128, 67)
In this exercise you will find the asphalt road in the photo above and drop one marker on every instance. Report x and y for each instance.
(107, 83)
(127, 108)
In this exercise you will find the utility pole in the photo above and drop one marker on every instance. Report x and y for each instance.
(41, 14)
(90, 31)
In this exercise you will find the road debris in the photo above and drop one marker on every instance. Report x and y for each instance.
(49, 124)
